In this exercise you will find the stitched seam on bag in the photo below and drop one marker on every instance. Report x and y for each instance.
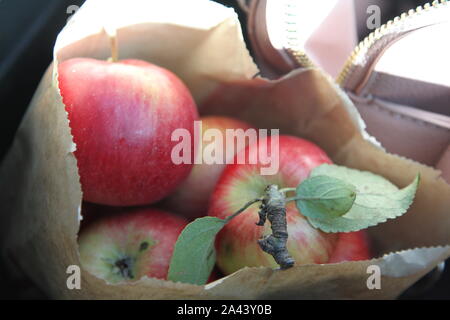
(406, 117)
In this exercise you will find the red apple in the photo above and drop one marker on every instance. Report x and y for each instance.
(351, 246)
(192, 196)
(131, 244)
(237, 245)
(122, 115)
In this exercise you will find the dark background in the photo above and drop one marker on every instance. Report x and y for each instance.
(28, 30)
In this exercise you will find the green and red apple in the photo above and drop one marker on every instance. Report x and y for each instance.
(129, 244)
(236, 243)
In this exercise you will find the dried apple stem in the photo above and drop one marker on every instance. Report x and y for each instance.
(273, 208)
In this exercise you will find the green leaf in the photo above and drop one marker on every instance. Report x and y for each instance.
(324, 197)
(194, 255)
(377, 200)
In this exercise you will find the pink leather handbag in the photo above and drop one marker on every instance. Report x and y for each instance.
(398, 77)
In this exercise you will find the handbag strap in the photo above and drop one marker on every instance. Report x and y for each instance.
(277, 55)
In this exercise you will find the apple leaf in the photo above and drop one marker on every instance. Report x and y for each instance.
(324, 196)
(377, 199)
(194, 255)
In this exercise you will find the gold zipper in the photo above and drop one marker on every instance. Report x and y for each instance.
(300, 58)
(388, 29)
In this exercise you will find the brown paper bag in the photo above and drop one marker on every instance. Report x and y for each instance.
(201, 41)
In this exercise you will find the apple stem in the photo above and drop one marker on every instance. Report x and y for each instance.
(248, 204)
(285, 190)
(114, 48)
